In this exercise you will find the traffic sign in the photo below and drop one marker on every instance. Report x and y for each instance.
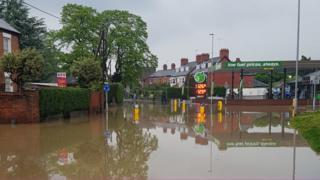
(106, 87)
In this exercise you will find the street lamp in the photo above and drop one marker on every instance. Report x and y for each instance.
(295, 101)
(212, 35)
(211, 83)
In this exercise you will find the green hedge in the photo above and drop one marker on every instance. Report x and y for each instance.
(116, 93)
(54, 101)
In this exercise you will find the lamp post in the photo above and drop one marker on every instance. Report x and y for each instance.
(211, 84)
(295, 101)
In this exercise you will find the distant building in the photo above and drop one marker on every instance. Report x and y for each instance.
(179, 78)
(161, 77)
(9, 43)
(221, 78)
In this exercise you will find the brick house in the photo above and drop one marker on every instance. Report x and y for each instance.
(9, 43)
(180, 76)
(220, 78)
(161, 77)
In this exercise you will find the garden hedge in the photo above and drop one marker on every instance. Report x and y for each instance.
(54, 101)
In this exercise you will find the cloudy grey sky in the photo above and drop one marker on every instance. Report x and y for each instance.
(250, 29)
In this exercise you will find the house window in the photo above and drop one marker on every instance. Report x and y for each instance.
(198, 66)
(187, 68)
(6, 43)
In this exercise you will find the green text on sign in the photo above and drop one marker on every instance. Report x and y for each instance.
(253, 64)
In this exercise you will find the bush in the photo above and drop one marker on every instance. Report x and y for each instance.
(88, 72)
(308, 124)
(116, 93)
(54, 101)
(25, 66)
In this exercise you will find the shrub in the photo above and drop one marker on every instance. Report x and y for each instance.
(116, 93)
(54, 101)
(26, 66)
(88, 72)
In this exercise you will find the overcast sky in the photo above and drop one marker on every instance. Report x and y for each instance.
(250, 29)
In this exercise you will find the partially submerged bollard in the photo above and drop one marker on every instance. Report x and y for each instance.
(202, 109)
(136, 112)
(183, 106)
(220, 106)
(175, 105)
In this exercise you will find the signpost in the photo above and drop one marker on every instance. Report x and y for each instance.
(201, 85)
(106, 89)
(62, 79)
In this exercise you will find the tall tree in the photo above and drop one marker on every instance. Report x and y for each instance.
(111, 36)
(78, 33)
(126, 36)
(32, 29)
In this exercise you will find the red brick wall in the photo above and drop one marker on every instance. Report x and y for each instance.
(23, 108)
(96, 102)
(220, 78)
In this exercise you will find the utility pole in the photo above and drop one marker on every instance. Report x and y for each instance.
(210, 69)
(295, 101)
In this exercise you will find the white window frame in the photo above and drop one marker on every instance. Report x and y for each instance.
(7, 36)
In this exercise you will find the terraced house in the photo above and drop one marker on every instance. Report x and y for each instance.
(9, 43)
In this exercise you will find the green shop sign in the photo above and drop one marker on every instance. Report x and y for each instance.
(252, 64)
(200, 77)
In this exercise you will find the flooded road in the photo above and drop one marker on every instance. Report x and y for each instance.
(159, 142)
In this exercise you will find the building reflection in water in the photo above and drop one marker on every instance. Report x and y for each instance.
(115, 146)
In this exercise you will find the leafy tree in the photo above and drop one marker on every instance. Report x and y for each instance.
(28, 65)
(265, 77)
(88, 72)
(112, 36)
(304, 58)
(126, 36)
(78, 32)
(53, 60)
(32, 29)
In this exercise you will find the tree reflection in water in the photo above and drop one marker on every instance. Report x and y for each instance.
(100, 158)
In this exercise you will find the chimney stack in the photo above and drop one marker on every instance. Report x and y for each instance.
(238, 60)
(198, 59)
(224, 53)
(184, 61)
(173, 66)
(165, 67)
(205, 57)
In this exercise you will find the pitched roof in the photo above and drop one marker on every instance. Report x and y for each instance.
(212, 60)
(4, 25)
(191, 65)
(163, 73)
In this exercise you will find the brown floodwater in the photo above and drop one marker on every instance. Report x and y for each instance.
(159, 142)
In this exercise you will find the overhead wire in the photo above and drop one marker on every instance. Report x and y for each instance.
(48, 13)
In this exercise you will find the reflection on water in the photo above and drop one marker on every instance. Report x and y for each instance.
(157, 141)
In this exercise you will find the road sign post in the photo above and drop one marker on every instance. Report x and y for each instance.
(106, 89)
